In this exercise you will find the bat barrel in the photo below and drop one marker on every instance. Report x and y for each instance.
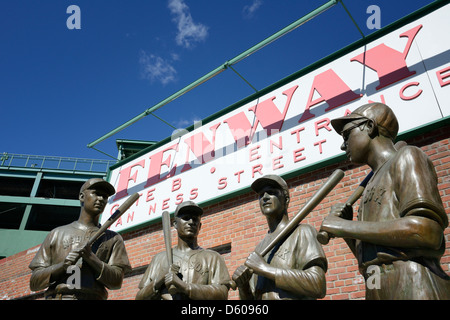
(116, 215)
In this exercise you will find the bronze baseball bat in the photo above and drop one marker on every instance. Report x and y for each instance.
(168, 243)
(320, 194)
(113, 218)
(324, 237)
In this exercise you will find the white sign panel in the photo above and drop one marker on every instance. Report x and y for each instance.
(288, 129)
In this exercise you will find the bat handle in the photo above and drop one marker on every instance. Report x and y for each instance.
(232, 284)
(323, 237)
(247, 272)
(172, 289)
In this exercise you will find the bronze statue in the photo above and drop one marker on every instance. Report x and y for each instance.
(196, 273)
(69, 269)
(295, 268)
(398, 239)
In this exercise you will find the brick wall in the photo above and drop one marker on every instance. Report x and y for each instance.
(235, 226)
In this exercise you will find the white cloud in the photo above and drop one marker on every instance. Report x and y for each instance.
(189, 32)
(184, 123)
(249, 10)
(156, 68)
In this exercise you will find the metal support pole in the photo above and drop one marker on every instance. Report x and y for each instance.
(245, 80)
(351, 17)
(220, 69)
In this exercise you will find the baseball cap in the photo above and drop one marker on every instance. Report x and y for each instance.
(98, 183)
(188, 206)
(380, 113)
(269, 180)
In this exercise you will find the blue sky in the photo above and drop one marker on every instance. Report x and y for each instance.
(61, 88)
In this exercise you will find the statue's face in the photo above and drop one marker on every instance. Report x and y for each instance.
(272, 201)
(94, 201)
(356, 140)
(187, 224)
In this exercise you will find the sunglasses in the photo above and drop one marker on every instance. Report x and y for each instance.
(345, 133)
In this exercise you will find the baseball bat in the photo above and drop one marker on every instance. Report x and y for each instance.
(113, 218)
(324, 237)
(320, 194)
(168, 244)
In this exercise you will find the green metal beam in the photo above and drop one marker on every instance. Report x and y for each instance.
(245, 80)
(219, 69)
(284, 31)
(33, 193)
(44, 201)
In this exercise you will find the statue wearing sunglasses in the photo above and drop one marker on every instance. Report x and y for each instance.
(399, 232)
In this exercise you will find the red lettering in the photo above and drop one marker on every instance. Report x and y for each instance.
(238, 174)
(389, 64)
(125, 178)
(255, 169)
(332, 89)
(152, 209)
(150, 196)
(266, 113)
(402, 90)
(179, 199)
(130, 217)
(194, 194)
(322, 124)
(276, 163)
(222, 183)
(203, 150)
(279, 145)
(441, 76)
(165, 204)
(176, 184)
(156, 163)
(319, 143)
(297, 133)
(113, 209)
(298, 155)
(253, 154)
(241, 129)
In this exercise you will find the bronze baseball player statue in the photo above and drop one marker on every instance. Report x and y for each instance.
(71, 270)
(295, 268)
(399, 235)
(196, 273)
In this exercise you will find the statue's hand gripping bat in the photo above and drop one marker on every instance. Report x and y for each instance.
(324, 237)
(323, 191)
(113, 218)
